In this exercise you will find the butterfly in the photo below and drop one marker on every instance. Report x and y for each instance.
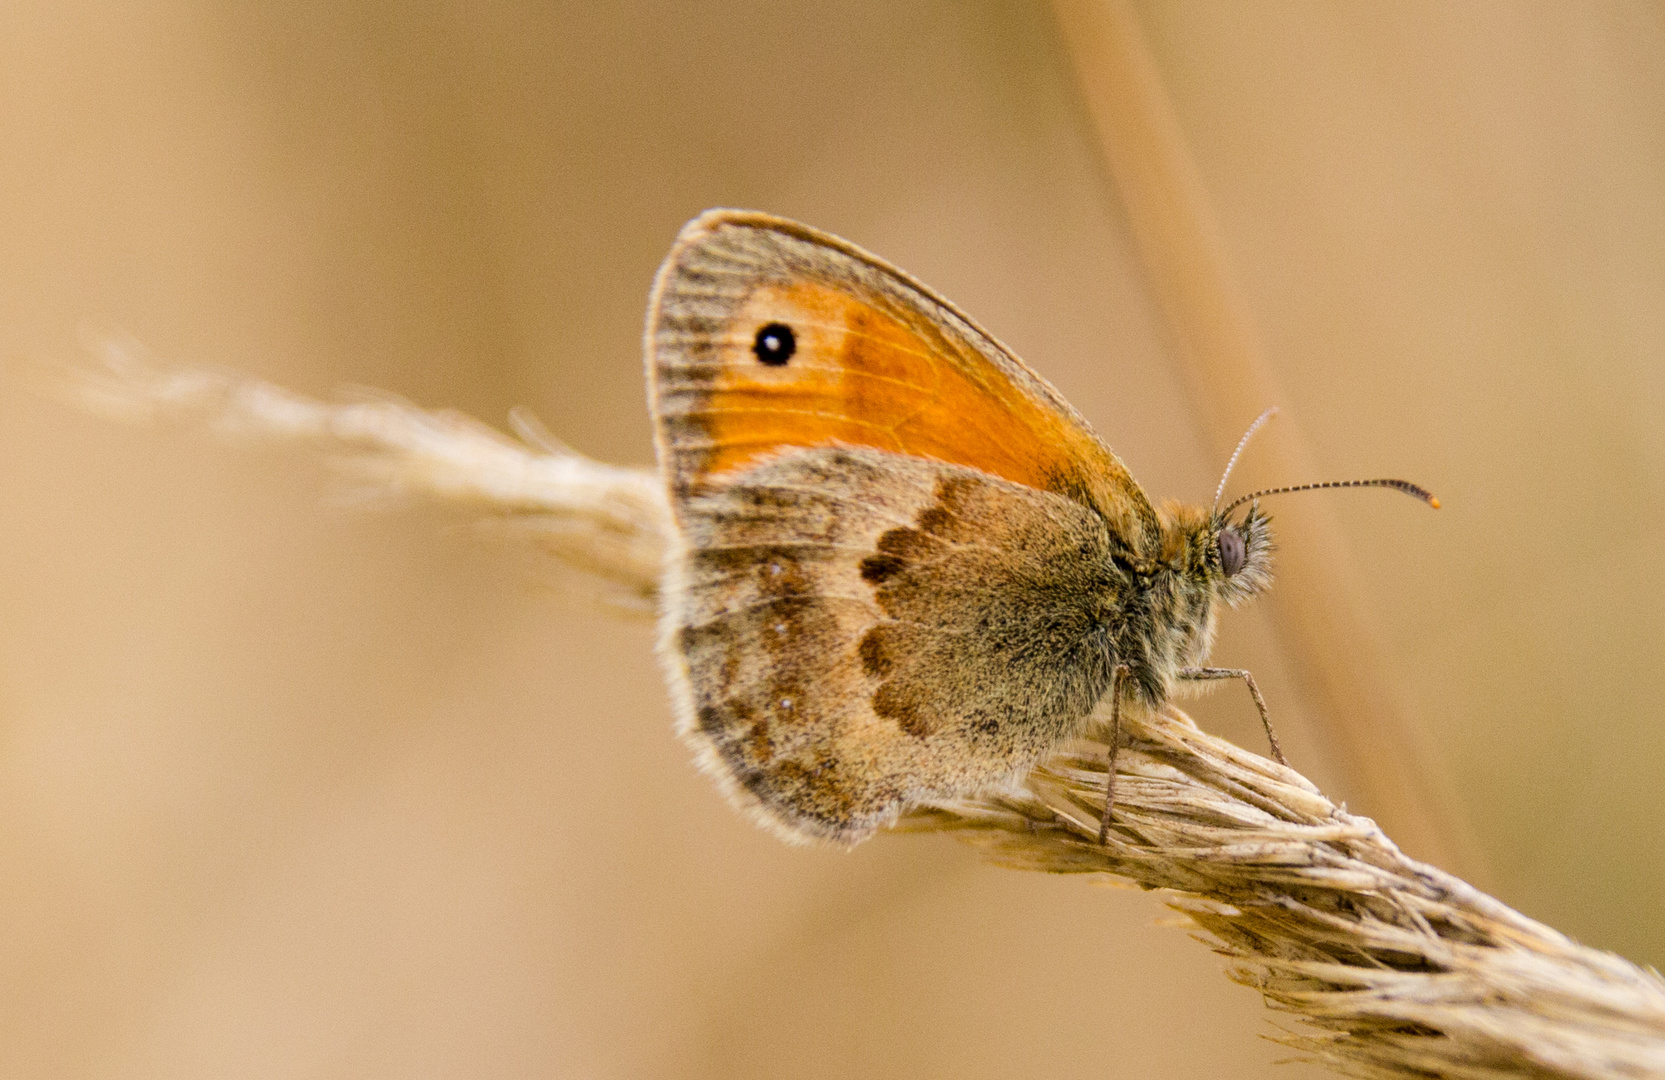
(905, 568)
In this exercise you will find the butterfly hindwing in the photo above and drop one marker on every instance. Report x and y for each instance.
(851, 631)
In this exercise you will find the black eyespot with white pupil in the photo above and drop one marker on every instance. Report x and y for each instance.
(775, 344)
(1232, 552)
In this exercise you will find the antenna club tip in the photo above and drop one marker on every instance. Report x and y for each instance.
(1434, 502)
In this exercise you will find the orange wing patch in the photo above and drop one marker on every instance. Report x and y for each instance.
(878, 362)
(862, 377)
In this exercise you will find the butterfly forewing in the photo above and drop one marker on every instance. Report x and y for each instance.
(878, 360)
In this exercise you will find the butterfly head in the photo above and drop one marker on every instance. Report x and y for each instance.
(1207, 560)
(1215, 559)
(1239, 560)
(1240, 563)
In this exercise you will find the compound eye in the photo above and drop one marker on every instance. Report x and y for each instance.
(1232, 551)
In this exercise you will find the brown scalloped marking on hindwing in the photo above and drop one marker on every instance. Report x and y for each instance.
(893, 571)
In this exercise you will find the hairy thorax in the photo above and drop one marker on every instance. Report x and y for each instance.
(1166, 620)
(1167, 625)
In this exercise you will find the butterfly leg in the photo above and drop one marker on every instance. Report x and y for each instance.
(1115, 742)
(1204, 674)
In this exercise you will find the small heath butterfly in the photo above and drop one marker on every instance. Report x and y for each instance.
(906, 568)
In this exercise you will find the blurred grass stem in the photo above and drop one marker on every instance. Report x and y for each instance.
(1386, 756)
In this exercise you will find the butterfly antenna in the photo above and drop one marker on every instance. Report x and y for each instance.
(1235, 454)
(1413, 490)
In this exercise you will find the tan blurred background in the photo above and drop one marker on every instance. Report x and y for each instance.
(290, 790)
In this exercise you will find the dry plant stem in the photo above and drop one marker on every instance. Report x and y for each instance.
(1394, 968)
(603, 520)
(1404, 970)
